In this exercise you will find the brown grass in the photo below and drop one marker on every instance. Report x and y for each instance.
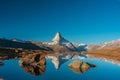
(110, 54)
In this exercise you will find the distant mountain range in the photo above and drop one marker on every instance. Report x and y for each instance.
(106, 45)
(18, 44)
(58, 44)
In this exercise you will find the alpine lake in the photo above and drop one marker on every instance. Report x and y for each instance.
(57, 67)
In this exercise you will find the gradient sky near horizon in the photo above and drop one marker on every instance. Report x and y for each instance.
(81, 21)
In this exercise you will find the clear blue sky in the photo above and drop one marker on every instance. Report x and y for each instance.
(86, 21)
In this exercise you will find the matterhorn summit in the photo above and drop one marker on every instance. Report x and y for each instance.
(60, 41)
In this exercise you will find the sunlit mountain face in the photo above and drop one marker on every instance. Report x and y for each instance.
(59, 43)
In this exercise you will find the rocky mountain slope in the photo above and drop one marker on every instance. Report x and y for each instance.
(58, 42)
(81, 47)
(106, 45)
(24, 45)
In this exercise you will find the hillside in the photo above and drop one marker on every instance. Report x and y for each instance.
(110, 54)
(15, 44)
(105, 45)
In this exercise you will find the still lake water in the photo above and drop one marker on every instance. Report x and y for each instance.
(103, 71)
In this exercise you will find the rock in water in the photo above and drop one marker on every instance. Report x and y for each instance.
(33, 63)
(79, 67)
(1, 63)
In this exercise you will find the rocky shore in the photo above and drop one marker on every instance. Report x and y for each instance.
(33, 63)
(9, 53)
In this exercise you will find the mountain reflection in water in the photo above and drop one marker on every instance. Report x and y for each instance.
(35, 64)
(58, 59)
(56, 66)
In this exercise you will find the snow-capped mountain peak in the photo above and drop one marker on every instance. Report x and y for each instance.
(106, 45)
(61, 41)
(58, 39)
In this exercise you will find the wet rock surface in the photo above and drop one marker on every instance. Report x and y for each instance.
(80, 67)
(33, 63)
(1, 63)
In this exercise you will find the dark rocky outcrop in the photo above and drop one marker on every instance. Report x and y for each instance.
(11, 53)
(25, 45)
(80, 67)
(33, 63)
(6, 53)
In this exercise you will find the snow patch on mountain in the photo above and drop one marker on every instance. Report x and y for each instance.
(106, 45)
(59, 40)
(21, 41)
(81, 47)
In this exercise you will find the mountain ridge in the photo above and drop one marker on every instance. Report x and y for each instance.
(58, 43)
(105, 45)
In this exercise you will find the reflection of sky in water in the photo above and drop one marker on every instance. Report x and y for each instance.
(104, 71)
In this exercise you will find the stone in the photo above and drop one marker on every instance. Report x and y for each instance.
(33, 63)
(1, 63)
(80, 67)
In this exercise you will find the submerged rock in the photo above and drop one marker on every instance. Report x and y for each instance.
(33, 63)
(1, 63)
(80, 67)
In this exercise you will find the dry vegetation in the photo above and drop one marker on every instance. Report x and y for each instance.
(110, 54)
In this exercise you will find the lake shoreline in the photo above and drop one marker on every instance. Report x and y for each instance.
(104, 59)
